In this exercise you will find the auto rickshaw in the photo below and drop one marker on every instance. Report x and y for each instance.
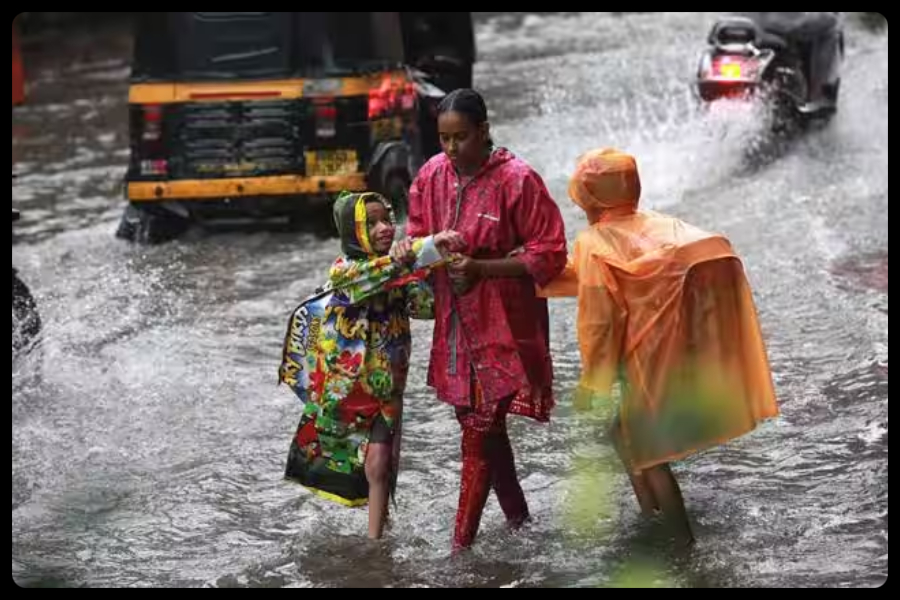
(271, 114)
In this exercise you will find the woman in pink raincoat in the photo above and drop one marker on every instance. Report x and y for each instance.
(490, 354)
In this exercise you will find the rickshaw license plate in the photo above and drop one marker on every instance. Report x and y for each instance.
(324, 163)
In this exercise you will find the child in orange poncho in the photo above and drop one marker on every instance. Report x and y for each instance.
(665, 311)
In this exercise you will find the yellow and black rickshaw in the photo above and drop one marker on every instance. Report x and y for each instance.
(267, 115)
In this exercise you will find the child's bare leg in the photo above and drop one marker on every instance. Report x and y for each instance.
(642, 490)
(644, 494)
(667, 492)
(378, 471)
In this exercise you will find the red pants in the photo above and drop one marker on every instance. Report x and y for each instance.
(487, 462)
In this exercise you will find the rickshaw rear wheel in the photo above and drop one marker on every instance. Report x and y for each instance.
(396, 190)
(150, 225)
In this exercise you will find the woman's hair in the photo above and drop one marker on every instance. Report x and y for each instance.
(467, 102)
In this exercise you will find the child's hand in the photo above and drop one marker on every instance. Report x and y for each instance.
(402, 251)
(449, 241)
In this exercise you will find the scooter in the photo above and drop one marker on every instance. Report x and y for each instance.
(744, 62)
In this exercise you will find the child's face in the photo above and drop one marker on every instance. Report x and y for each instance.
(380, 227)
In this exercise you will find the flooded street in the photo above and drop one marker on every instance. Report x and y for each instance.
(149, 437)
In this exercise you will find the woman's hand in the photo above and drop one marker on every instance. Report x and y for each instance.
(446, 242)
(402, 252)
(449, 241)
(464, 273)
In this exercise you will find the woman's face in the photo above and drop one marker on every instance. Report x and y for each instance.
(462, 141)
(380, 227)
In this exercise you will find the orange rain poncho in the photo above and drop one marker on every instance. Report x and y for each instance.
(664, 309)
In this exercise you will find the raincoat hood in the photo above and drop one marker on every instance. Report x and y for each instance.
(606, 179)
(351, 221)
